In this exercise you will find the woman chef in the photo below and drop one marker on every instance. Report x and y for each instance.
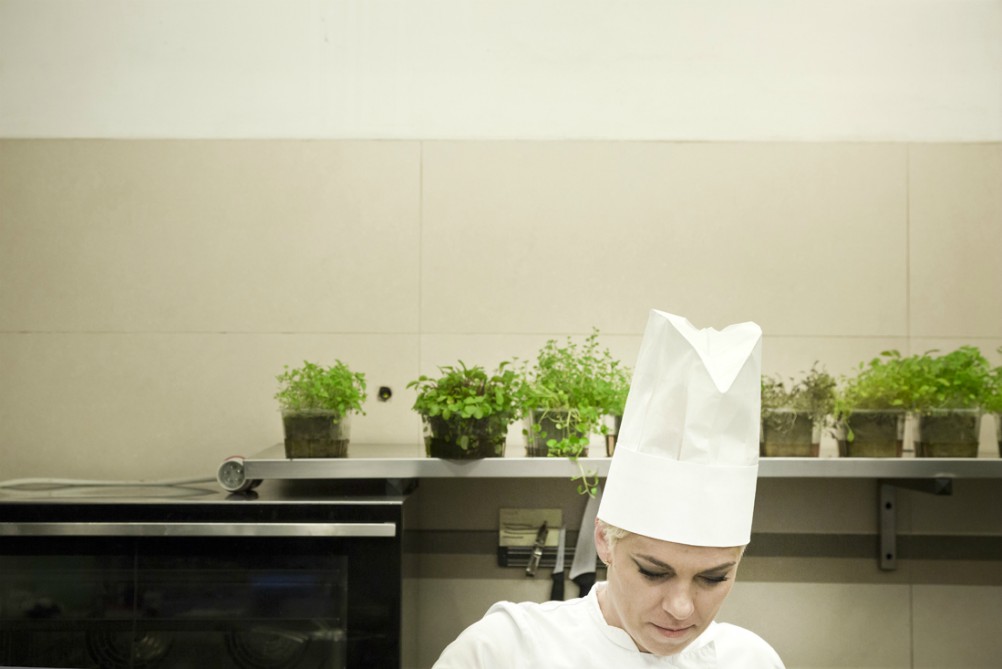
(672, 526)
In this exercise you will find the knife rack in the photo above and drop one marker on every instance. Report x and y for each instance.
(518, 556)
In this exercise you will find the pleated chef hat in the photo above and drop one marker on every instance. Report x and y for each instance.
(686, 460)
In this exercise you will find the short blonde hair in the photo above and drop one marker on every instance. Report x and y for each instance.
(612, 533)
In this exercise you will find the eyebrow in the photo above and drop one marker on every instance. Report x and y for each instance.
(664, 565)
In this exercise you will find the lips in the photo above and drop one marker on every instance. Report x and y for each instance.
(672, 632)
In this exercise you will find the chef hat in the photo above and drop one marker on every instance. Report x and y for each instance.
(686, 459)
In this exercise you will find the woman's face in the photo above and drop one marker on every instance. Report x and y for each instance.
(662, 593)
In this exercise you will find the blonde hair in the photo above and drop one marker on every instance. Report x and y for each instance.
(612, 533)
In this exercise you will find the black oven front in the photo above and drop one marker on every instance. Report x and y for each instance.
(239, 581)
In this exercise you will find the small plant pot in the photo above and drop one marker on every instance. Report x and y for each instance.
(872, 434)
(613, 436)
(549, 424)
(789, 434)
(948, 434)
(998, 431)
(464, 438)
(316, 435)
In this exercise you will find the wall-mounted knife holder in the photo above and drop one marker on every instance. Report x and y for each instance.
(518, 556)
(517, 537)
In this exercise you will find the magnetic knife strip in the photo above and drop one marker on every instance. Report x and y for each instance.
(518, 556)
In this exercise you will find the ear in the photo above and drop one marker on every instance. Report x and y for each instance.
(601, 546)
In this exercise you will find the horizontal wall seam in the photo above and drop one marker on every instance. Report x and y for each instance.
(763, 545)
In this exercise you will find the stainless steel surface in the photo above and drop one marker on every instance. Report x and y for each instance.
(274, 493)
(188, 529)
(558, 565)
(396, 461)
(585, 554)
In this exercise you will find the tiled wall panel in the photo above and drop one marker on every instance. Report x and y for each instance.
(559, 236)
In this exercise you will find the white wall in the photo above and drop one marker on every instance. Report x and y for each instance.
(871, 70)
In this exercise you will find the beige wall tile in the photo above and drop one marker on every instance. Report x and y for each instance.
(490, 349)
(955, 231)
(113, 406)
(457, 604)
(441, 507)
(990, 347)
(561, 236)
(211, 236)
(791, 357)
(975, 507)
(980, 573)
(956, 627)
(813, 569)
(803, 505)
(824, 626)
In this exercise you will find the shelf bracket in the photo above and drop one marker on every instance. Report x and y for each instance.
(888, 511)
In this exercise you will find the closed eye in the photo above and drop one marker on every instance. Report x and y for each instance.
(653, 575)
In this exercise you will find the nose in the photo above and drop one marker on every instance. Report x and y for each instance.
(677, 602)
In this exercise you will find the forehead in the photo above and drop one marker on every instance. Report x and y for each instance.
(680, 556)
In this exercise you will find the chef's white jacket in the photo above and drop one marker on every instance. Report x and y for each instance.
(574, 634)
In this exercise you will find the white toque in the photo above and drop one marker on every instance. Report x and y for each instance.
(686, 459)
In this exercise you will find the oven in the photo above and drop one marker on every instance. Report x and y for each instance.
(185, 576)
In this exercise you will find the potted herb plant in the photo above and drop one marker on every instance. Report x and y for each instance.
(993, 401)
(316, 404)
(466, 411)
(947, 394)
(870, 408)
(569, 390)
(794, 415)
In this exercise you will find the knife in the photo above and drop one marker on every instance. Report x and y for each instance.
(557, 589)
(583, 566)
(537, 550)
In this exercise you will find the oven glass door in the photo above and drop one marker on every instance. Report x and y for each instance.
(173, 602)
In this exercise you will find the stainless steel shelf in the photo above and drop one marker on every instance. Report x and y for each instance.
(396, 461)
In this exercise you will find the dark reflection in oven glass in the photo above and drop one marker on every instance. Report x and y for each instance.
(175, 605)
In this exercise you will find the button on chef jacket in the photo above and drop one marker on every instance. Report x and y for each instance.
(574, 634)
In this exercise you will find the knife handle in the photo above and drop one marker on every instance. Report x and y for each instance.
(537, 553)
(557, 590)
(585, 582)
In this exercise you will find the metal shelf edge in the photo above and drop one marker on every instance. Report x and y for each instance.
(268, 466)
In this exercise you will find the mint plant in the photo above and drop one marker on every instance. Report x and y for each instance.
(993, 396)
(581, 383)
(961, 379)
(573, 386)
(881, 384)
(468, 406)
(313, 388)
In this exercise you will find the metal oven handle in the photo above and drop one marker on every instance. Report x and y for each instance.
(185, 529)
